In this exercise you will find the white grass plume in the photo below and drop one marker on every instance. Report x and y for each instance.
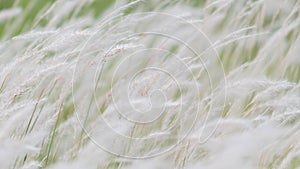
(77, 76)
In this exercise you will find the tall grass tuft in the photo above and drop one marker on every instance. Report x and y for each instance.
(103, 84)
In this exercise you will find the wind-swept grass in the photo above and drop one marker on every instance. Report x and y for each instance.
(149, 84)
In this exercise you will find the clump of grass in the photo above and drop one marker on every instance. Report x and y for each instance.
(149, 84)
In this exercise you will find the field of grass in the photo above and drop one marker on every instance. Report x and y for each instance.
(169, 84)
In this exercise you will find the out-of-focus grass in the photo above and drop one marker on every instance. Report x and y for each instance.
(245, 56)
(4, 4)
(33, 10)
